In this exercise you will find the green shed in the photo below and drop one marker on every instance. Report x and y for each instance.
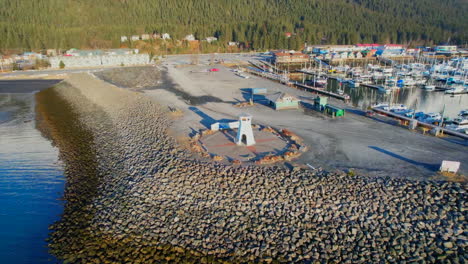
(334, 111)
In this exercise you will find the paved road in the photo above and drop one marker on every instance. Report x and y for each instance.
(180, 58)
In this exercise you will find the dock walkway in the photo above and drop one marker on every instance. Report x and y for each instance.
(344, 97)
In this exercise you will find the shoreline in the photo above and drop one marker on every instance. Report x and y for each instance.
(152, 192)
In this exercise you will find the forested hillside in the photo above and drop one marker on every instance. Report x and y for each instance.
(31, 24)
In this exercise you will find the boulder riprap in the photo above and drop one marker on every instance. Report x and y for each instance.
(152, 202)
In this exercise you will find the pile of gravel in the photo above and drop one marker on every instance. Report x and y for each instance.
(132, 77)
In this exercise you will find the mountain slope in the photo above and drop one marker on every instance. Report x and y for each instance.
(261, 23)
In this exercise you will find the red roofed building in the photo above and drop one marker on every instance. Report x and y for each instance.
(288, 34)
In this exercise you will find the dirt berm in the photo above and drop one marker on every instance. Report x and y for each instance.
(149, 201)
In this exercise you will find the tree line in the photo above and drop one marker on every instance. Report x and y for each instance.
(260, 24)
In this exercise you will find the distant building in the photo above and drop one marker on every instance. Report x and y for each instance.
(123, 39)
(282, 100)
(51, 52)
(88, 58)
(233, 43)
(288, 34)
(165, 36)
(32, 56)
(324, 49)
(211, 39)
(156, 36)
(135, 38)
(368, 46)
(85, 53)
(189, 37)
(145, 36)
(290, 57)
(391, 50)
(445, 49)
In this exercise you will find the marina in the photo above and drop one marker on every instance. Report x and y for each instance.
(416, 82)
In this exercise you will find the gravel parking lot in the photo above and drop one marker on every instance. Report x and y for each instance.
(363, 144)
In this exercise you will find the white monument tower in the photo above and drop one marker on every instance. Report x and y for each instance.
(244, 133)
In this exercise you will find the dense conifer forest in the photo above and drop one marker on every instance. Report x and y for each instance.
(260, 24)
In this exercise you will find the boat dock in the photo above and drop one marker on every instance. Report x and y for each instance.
(320, 91)
(422, 124)
(306, 72)
(372, 86)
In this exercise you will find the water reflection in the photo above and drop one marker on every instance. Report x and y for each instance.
(31, 182)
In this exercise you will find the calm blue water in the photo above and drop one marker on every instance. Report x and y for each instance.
(31, 182)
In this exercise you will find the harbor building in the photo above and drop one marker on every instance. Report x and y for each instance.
(281, 100)
(290, 57)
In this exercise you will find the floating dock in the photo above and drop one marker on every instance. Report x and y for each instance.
(422, 124)
(372, 86)
(320, 91)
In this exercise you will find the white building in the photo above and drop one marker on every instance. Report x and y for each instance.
(123, 38)
(135, 38)
(233, 43)
(211, 39)
(145, 36)
(165, 36)
(189, 37)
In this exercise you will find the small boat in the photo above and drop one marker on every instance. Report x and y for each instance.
(429, 87)
(240, 74)
(431, 118)
(463, 114)
(354, 83)
(407, 82)
(415, 115)
(404, 112)
(398, 108)
(456, 90)
(458, 124)
(321, 82)
(383, 106)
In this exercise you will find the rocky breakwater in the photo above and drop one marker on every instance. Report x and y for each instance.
(155, 203)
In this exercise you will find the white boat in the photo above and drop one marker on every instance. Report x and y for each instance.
(429, 87)
(404, 112)
(408, 82)
(398, 108)
(459, 125)
(420, 81)
(384, 106)
(354, 83)
(240, 74)
(321, 81)
(456, 90)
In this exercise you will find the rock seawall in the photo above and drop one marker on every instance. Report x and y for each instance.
(153, 203)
